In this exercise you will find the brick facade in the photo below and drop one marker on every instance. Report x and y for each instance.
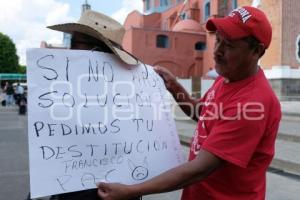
(290, 31)
(143, 29)
(284, 17)
(183, 25)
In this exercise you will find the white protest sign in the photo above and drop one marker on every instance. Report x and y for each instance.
(91, 120)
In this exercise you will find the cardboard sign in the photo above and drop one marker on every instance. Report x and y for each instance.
(92, 120)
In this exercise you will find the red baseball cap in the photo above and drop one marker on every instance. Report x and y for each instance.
(242, 22)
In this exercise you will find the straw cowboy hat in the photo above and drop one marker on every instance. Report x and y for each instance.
(100, 27)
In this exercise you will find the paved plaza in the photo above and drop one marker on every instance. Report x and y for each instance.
(14, 176)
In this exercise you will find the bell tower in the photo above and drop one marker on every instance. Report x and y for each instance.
(86, 6)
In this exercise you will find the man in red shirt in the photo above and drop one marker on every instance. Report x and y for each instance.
(238, 120)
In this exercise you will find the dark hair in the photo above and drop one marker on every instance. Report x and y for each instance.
(253, 43)
(97, 44)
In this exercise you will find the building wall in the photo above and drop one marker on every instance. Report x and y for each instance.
(174, 57)
(156, 7)
(273, 10)
(290, 31)
(134, 19)
(128, 40)
(273, 55)
(208, 56)
(224, 8)
(152, 21)
(284, 18)
(181, 58)
(244, 3)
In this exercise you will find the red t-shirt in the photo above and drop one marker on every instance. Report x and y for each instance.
(238, 123)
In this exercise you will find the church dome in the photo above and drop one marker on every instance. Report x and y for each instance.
(187, 25)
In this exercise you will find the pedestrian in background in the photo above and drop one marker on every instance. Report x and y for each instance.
(4, 85)
(2, 96)
(9, 95)
(19, 93)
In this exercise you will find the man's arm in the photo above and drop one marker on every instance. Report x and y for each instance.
(176, 178)
(182, 97)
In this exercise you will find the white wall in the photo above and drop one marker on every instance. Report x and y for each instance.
(279, 72)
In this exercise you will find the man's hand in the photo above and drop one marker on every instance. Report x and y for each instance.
(167, 76)
(188, 173)
(114, 191)
(182, 97)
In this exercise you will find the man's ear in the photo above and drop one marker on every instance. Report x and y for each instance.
(259, 51)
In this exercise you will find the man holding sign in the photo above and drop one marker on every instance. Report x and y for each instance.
(238, 120)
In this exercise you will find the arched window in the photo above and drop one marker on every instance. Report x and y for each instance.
(162, 41)
(298, 48)
(206, 10)
(183, 16)
(200, 46)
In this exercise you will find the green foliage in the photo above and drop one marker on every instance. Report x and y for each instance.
(9, 61)
(21, 69)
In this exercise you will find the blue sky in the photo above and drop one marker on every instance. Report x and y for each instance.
(25, 21)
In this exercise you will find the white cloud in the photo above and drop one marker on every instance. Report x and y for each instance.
(25, 22)
(127, 7)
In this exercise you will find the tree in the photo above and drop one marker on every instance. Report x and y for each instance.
(9, 60)
(21, 69)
